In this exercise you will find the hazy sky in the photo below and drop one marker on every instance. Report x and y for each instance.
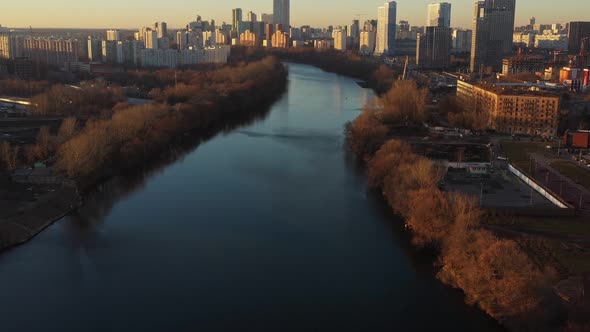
(136, 13)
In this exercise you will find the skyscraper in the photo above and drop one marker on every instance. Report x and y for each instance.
(439, 15)
(252, 17)
(282, 13)
(162, 29)
(236, 19)
(386, 19)
(493, 25)
(434, 47)
(577, 31)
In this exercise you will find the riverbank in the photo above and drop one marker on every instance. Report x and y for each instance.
(24, 220)
(496, 274)
(136, 137)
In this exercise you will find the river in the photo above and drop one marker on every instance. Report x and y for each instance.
(267, 228)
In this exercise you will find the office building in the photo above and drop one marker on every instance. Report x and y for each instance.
(512, 110)
(113, 35)
(386, 18)
(576, 33)
(493, 26)
(339, 36)
(367, 42)
(434, 48)
(282, 13)
(439, 15)
(462, 40)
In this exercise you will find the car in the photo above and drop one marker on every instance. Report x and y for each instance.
(502, 158)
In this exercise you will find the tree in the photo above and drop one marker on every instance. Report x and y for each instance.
(404, 103)
(67, 130)
(366, 134)
(9, 156)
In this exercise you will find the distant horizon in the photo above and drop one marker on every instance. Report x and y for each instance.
(98, 15)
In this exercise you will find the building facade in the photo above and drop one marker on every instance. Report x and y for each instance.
(339, 36)
(434, 48)
(367, 42)
(493, 26)
(282, 13)
(576, 33)
(439, 15)
(386, 29)
(512, 110)
(113, 35)
(523, 64)
(462, 40)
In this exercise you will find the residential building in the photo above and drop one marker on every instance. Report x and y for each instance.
(113, 35)
(252, 17)
(576, 33)
(162, 29)
(524, 39)
(439, 15)
(221, 38)
(367, 42)
(94, 49)
(50, 51)
(182, 39)
(551, 41)
(493, 26)
(523, 64)
(280, 39)
(512, 110)
(249, 39)
(282, 13)
(11, 46)
(386, 30)
(151, 39)
(109, 51)
(339, 36)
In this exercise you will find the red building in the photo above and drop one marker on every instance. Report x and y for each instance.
(577, 139)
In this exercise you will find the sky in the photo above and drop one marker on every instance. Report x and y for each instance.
(318, 13)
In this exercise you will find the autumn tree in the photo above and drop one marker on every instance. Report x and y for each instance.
(404, 103)
(67, 129)
(366, 133)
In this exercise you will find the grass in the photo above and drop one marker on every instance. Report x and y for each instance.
(574, 172)
(575, 261)
(518, 152)
(559, 226)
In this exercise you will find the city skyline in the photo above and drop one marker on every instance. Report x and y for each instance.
(99, 14)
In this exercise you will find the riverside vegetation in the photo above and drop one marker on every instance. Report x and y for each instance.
(494, 273)
(103, 134)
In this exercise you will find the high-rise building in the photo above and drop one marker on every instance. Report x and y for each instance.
(267, 18)
(151, 39)
(249, 39)
(94, 49)
(268, 32)
(462, 40)
(282, 13)
(113, 35)
(182, 39)
(339, 36)
(51, 51)
(439, 15)
(11, 46)
(236, 19)
(367, 42)
(386, 19)
(162, 29)
(434, 48)
(252, 17)
(493, 25)
(280, 39)
(576, 33)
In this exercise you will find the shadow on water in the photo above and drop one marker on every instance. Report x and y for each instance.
(99, 201)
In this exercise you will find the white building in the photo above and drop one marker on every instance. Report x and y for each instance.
(386, 29)
(367, 42)
(439, 15)
(339, 36)
(524, 39)
(551, 41)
